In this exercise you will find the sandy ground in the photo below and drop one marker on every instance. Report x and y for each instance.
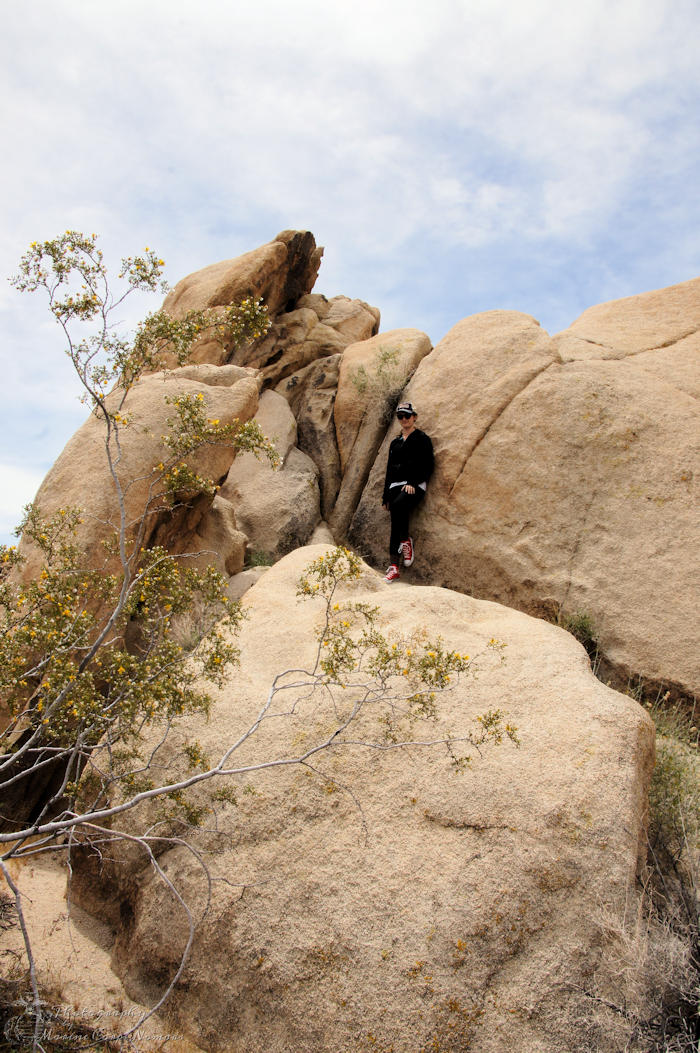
(72, 952)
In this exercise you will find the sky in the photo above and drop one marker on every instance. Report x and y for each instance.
(451, 157)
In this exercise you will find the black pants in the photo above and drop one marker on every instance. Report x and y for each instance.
(401, 505)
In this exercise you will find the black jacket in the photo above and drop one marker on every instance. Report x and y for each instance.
(410, 460)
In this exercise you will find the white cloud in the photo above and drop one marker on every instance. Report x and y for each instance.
(314, 110)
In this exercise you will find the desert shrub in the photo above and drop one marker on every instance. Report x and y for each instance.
(381, 383)
(581, 626)
(256, 558)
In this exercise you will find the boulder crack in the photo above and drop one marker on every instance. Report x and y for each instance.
(667, 343)
(619, 353)
(577, 545)
(464, 824)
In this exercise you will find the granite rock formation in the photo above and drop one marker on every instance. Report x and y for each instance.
(566, 470)
(420, 904)
(431, 910)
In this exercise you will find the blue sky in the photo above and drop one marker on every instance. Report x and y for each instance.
(454, 157)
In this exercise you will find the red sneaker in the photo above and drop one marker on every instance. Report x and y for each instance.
(392, 574)
(407, 551)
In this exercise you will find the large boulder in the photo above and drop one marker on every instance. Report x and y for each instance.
(81, 475)
(218, 541)
(276, 510)
(279, 272)
(310, 393)
(429, 909)
(566, 475)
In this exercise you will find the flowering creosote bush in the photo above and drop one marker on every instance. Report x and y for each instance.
(68, 677)
(190, 429)
(89, 658)
(72, 272)
(67, 686)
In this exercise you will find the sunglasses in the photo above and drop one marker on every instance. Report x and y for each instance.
(404, 416)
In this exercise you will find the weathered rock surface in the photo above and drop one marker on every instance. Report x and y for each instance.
(241, 582)
(218, 541)
(372, 375)
(80, 477)
(353, 320)
(311, 397)
(566, 474)
(277, 510)
(429, 909)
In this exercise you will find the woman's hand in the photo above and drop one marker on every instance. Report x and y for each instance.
(409, 489)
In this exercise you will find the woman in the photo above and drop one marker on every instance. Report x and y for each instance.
(409, 466)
